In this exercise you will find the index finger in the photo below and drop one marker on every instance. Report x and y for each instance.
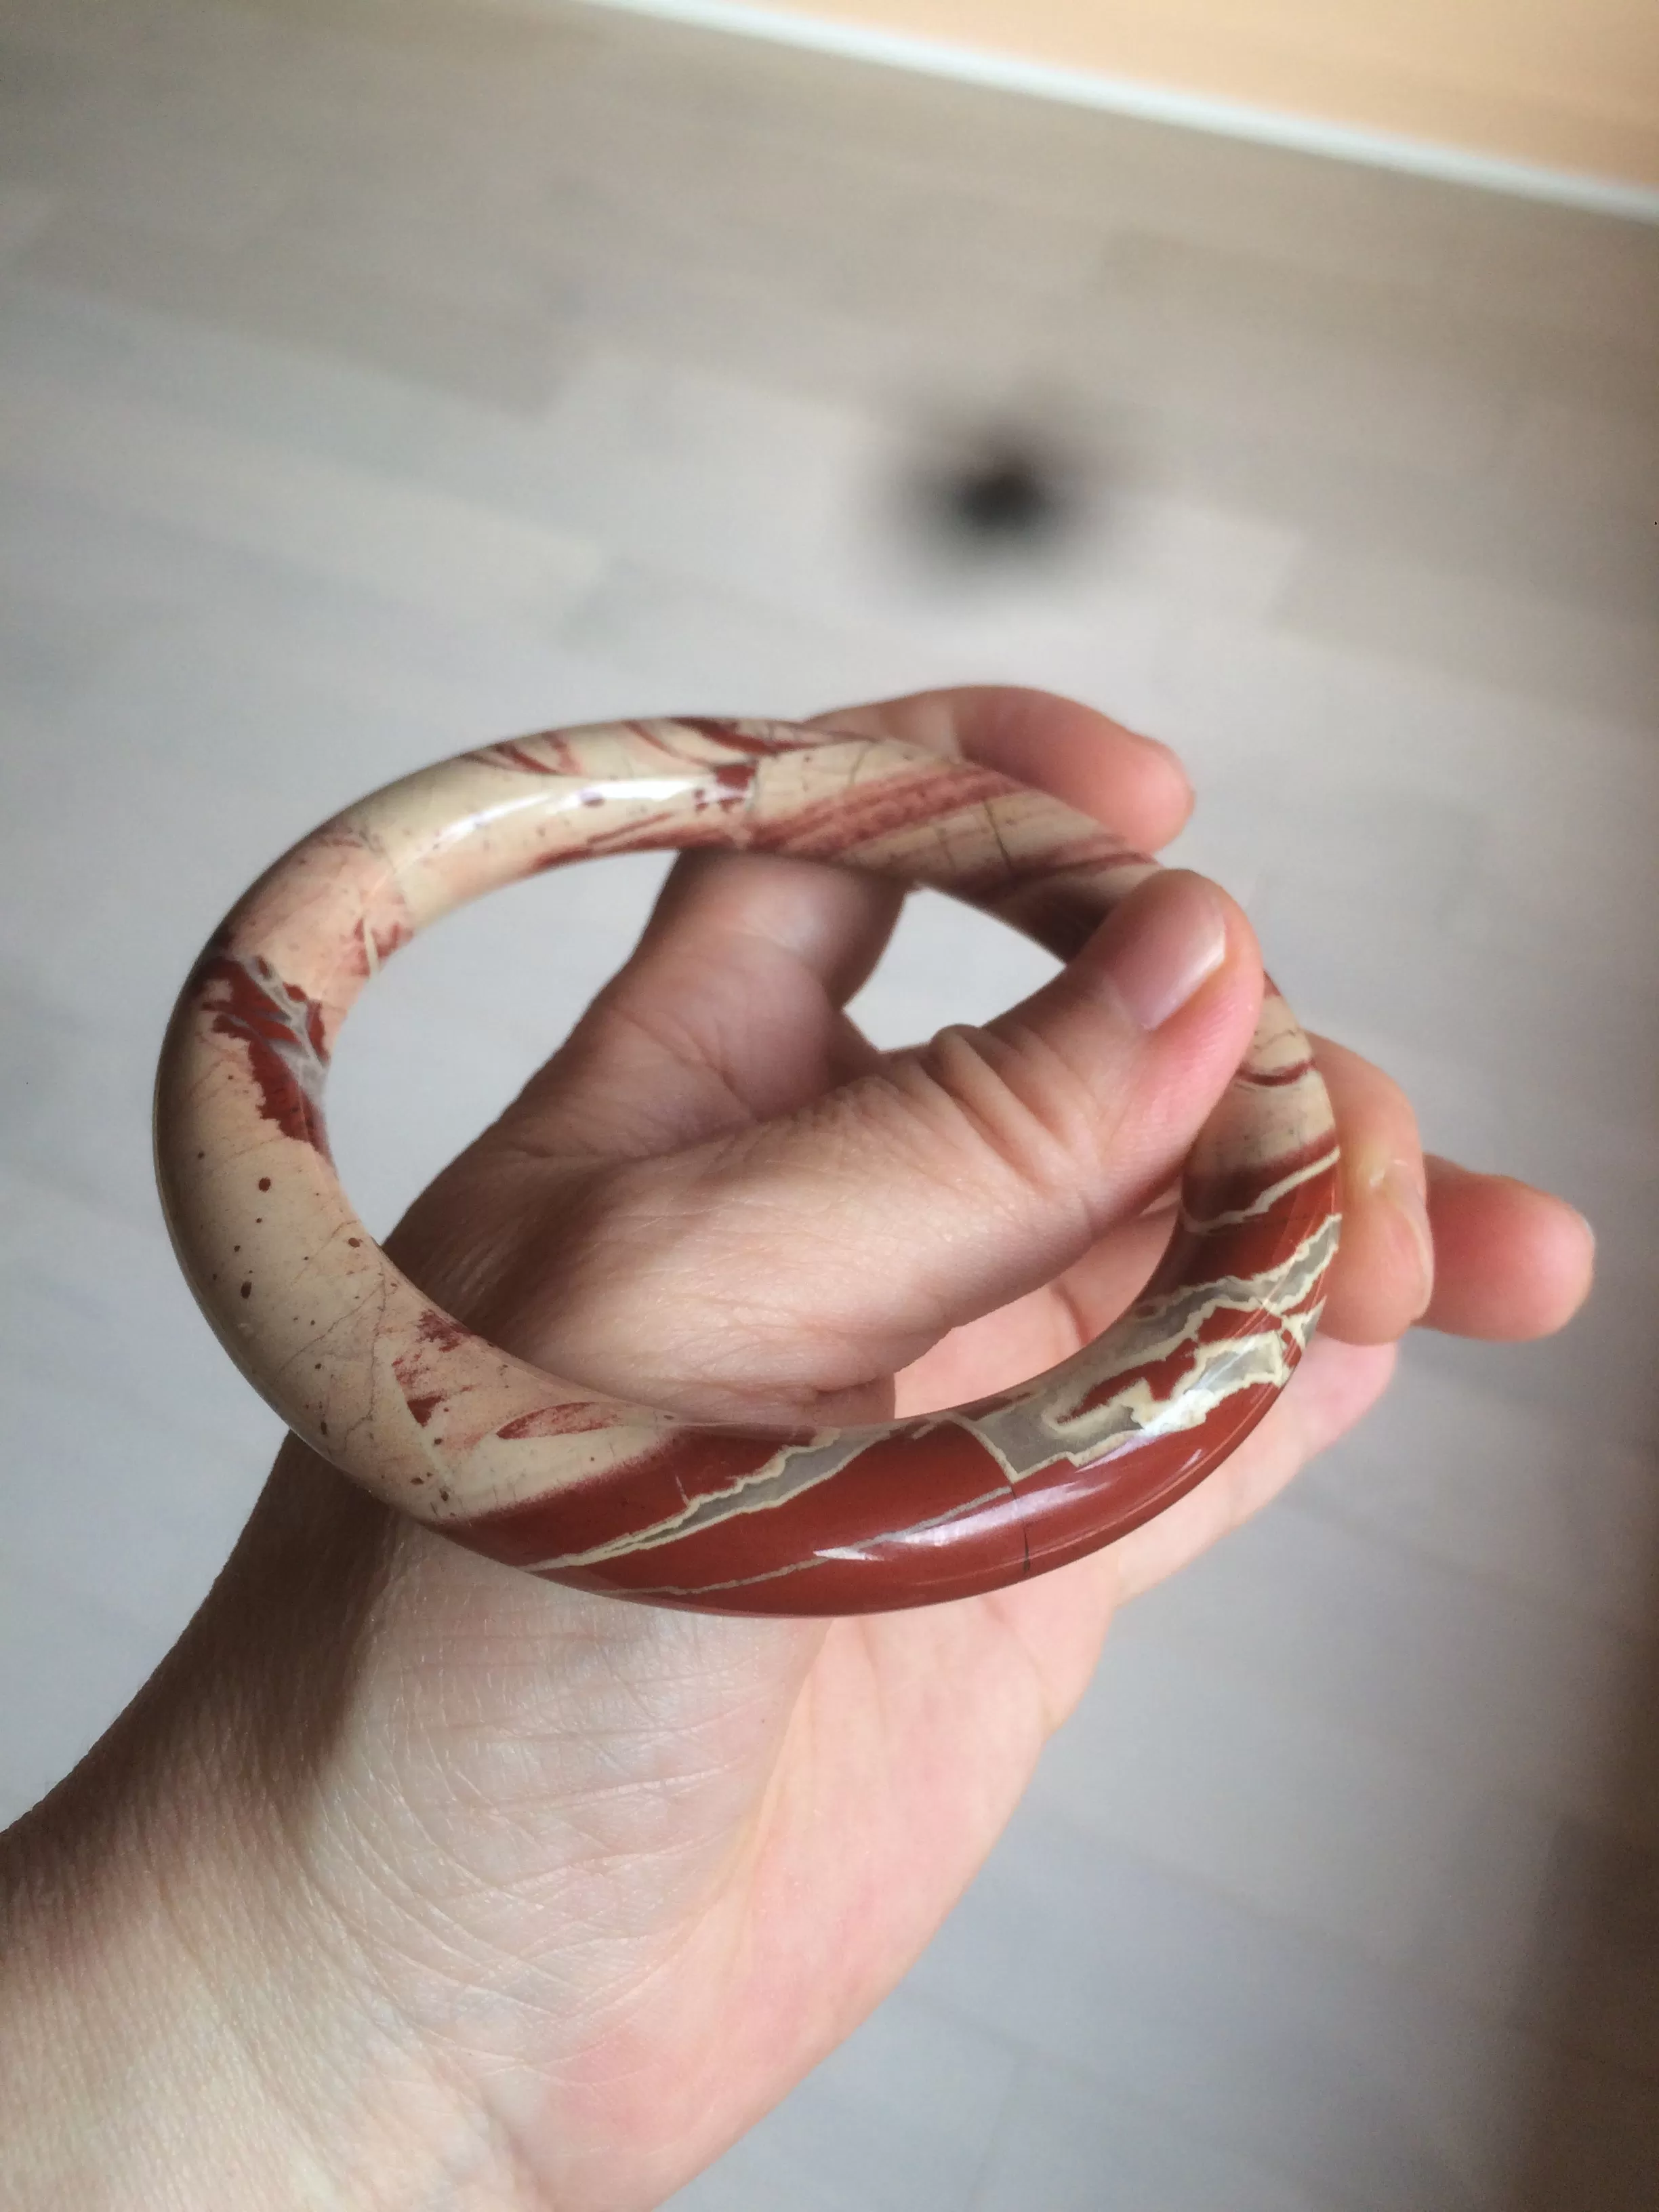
(1135, 785)
(837, 923)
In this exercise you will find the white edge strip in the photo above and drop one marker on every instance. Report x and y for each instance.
(1151, 103)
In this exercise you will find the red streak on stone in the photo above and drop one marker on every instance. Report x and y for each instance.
(1162, 1377)
(572, 1421)
(1206, 1196)
(873, 1507)
(923, 1512)
(1273, 1078)
(644, 1492)
(832, 827)
(1069, 1509)
(1058, 1513)
(1060, 913)
(1246, 1250)
(859, 814)
(248, 1011)
(1018, 885)
(441, 1329)
(557, 757)
(724, 734)
(373, 948)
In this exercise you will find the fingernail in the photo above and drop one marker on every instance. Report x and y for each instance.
(1161, 945)
(1167, 753)
(1399, 1187)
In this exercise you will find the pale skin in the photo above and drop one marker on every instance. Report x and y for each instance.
(411, 1882)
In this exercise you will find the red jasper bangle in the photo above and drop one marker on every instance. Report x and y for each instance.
(582, 1488)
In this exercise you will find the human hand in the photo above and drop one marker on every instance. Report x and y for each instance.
(508, 1895)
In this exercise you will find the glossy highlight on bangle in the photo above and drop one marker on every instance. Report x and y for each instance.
(583, 1488)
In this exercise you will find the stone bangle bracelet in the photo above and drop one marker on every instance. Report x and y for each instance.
(623, 1499)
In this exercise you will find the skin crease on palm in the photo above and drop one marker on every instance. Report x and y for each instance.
(410, 1880)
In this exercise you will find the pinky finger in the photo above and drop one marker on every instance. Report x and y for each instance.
(1512, 1262)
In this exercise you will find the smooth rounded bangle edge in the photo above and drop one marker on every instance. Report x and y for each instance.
(512, 1461)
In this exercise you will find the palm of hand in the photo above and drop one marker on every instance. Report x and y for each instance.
(621, 1876)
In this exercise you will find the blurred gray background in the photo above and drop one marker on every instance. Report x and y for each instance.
(376, 379)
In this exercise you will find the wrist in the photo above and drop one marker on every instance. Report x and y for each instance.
(186, 2015)
(402, 1882)
(136, 2024)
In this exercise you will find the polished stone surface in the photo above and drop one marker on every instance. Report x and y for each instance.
(374, 381)
(624, 1499)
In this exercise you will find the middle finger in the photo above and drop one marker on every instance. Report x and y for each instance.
(837, 921)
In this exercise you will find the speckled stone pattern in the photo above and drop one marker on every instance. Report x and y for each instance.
(582, 1488)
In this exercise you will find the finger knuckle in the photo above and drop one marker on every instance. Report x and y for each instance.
(1012, 1100)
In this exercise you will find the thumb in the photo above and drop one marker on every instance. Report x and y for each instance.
(800, 1262)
